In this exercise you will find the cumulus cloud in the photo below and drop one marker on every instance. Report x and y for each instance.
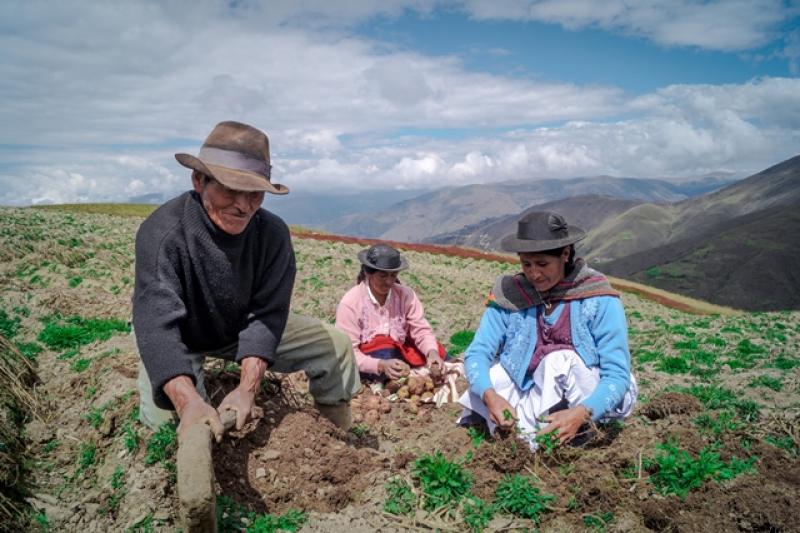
(94, 106)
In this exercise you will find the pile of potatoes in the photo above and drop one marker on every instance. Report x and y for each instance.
(369, 407)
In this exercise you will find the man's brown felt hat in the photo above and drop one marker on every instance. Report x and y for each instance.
(236, 155)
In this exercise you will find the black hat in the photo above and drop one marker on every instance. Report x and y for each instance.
(383, 257)
(540, 231)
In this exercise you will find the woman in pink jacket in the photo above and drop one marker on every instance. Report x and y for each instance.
(385, 320)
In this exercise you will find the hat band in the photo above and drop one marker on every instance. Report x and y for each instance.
(232, 159)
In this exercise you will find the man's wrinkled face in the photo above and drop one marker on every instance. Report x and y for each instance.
(228, 209)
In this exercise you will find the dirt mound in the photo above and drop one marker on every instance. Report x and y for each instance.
(671, 403)
(303, 463)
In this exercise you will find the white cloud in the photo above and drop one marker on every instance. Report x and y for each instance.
(715, 24)
(97, 97)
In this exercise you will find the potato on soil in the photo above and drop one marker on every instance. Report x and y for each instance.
(416, 386)
(386, 406)
(427, 395)
(429, 385)
(372, 403)
(371, 417)
(402, 393)
(394, 385)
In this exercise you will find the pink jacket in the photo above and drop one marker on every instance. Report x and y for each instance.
(401, 316)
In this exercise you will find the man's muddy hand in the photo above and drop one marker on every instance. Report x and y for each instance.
(240, 402)
(242, 399)
(199, 412)
(191, 408)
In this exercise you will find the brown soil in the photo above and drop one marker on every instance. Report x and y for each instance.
(290, 458)
(309, 464)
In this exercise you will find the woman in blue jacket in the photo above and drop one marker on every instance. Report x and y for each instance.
(552, 345)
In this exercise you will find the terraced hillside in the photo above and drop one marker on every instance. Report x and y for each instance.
(713, 444)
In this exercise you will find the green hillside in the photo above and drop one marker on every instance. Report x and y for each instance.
(712, 444)
(750, 262)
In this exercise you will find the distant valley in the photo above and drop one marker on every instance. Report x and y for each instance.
(450, 209)
(729, 242)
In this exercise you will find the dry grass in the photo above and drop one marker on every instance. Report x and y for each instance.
(120, 210)
(17, 404)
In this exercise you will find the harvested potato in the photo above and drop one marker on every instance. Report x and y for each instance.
(386, 407)
(416, 386)
(436, 371)
(429, 385)
(394, 386)
(402, 393)
(372, 417)
(412, 408)
(373, 403)
(427, 395)
(414, 398)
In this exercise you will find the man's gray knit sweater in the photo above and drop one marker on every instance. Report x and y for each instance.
(199, 289)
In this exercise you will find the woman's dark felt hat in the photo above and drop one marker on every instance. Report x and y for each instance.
(383, 257)
(541, 230)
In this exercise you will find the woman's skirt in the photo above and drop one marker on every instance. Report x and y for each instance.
(561, 380)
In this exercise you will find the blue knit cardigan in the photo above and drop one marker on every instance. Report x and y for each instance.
(599, 334)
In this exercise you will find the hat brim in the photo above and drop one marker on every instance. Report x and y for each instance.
(511, 243)
(238, 180)
(362, 257)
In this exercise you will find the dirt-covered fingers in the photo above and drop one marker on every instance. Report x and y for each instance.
(241, 402)
(395, 368)
(500, 411)
(199, 412)
(567, 422)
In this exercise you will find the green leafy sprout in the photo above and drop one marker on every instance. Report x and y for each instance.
(678, 472)
(400, 498)
(443, 482)
(518, 496)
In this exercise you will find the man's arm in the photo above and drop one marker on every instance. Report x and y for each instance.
(272, 291)
(158, 309)
(259, 340)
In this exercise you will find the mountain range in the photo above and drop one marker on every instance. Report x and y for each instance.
(452, 208)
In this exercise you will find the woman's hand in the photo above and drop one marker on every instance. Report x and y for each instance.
(393, 368)
(567, 422)
(435, 366)
(500, 411)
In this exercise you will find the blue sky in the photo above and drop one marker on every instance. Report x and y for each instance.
(548, 51)
(96, 97)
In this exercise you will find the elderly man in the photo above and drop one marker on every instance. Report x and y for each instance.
(214, 276)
